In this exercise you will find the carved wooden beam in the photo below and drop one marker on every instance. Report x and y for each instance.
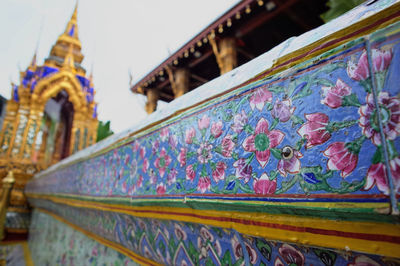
(152, 98)
(225, 52)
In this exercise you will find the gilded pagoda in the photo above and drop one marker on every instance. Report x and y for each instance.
(51, 114)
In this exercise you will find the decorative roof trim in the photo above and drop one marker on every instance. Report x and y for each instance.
(192, 43)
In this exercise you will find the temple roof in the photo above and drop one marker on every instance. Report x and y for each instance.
(256, 25)
(69, 38)
(64, 55)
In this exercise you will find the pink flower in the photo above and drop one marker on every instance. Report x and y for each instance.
(161, 189)
(291, 255)
(204, 152)
(153, 177)
(139, 182)
(135, 145)
(259, 98)
(173, 141)
(314, 130)
(203, 122)
(164, 133)
(131, 190)
(219, 172)
(189, 135)
(333, 96)
(239, 121)
(360, 70)
(283, 110)
(127, 159)
(381, 59)
(380, 62)
(264, 186)
(182, 157)
(142, 152)
(124, 187)
(216, 129)
(390, 117)
(262, 140)
(292, 165)
(155, 145)
(145, 165)
(162, 162)
(341, 158)
(363, 260)
(204, 184)
(171, 177)
(227, 146)
(376, 175)
(190, 173)
(243, 170)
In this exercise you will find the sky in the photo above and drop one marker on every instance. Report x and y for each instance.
(118, 37)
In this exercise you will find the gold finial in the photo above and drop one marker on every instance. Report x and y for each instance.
(75, 14)
(33, 61)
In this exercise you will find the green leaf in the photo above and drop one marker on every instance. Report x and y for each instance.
(276, 153)
(209, 262)
(273, 174)
(285, 186)
(235, 156)
(190, 191)
(226, 259)
(326, 256)
(276, 89)
(246, 188)
(274, 124)
(193, 253)
(296, 120)
(351, 100)
(324, 82)
(248, 129)
(239, 262)
(264, 248)
(377, 158)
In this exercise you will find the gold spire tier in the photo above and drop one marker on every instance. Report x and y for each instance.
(67, 39)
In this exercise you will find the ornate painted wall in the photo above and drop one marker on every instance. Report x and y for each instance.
(53, 243)
(299, 164)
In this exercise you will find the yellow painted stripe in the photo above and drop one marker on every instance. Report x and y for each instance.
(27, 254)
(119, 248)
(275, 231)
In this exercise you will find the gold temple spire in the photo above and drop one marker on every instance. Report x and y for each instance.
(32, 65)
(70, 34)
(67, 39)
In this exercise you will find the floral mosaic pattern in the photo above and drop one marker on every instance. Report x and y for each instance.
(313, 131)
(178, 243)
(53, 243)
(389, 103)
